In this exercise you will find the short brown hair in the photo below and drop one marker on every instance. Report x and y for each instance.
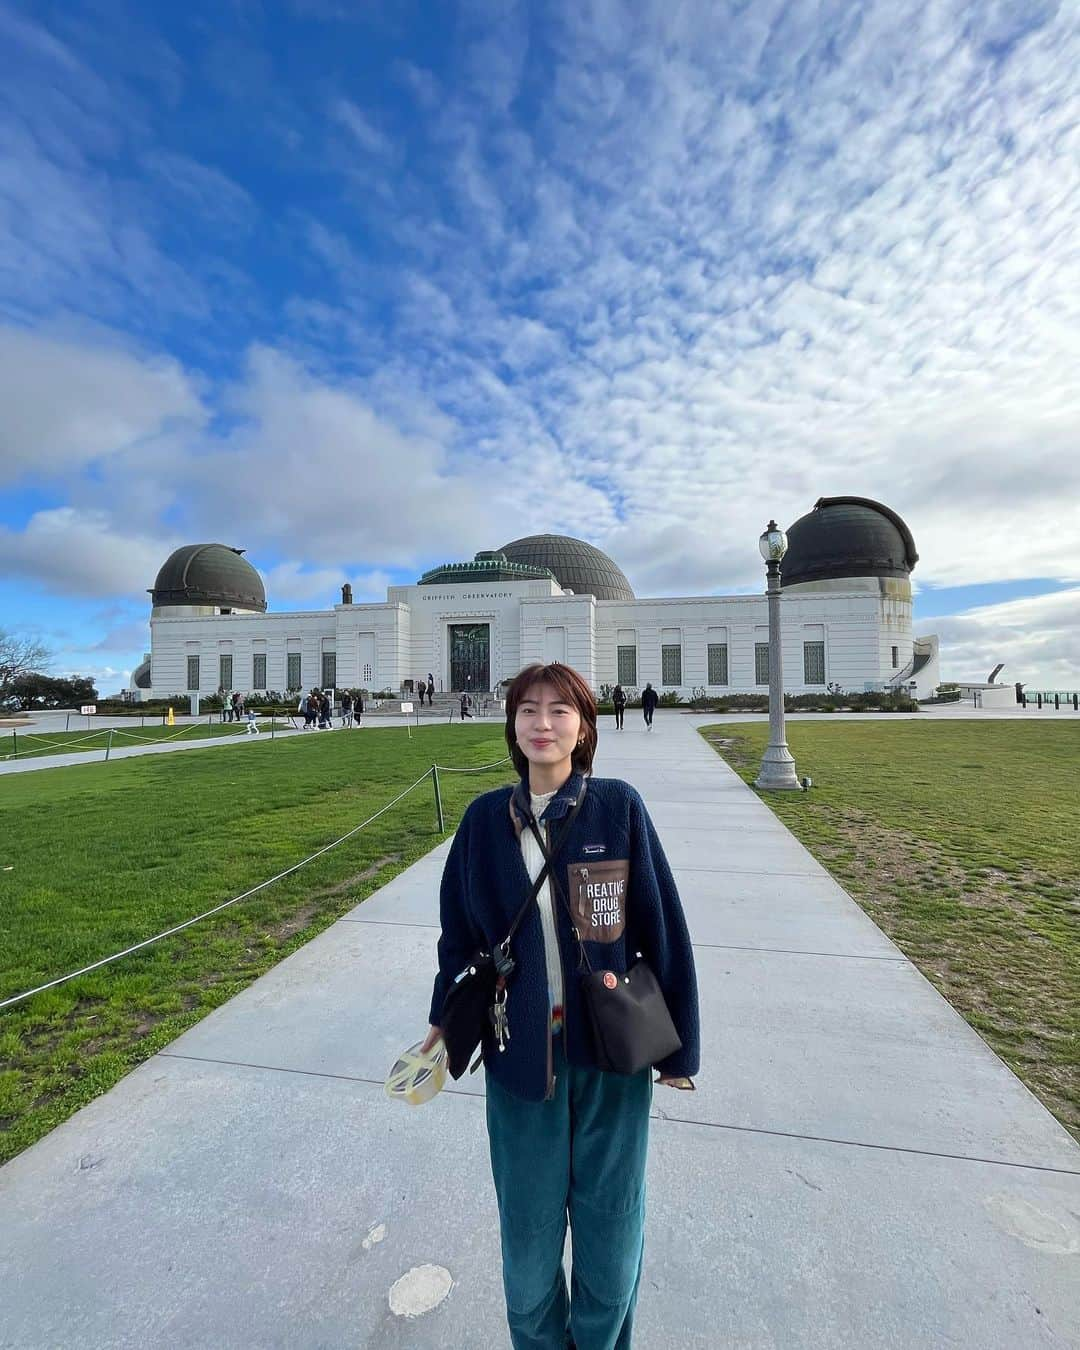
(572, 689)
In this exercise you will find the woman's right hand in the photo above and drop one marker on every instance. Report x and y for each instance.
(433, 1035)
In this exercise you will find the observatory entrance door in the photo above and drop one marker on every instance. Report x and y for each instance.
(470, 648)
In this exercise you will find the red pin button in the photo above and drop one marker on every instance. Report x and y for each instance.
(609, 980)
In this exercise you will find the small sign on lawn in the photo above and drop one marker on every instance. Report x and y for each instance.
(88, 709)
(406, 707)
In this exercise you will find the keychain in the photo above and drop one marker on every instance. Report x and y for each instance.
(498, 1015)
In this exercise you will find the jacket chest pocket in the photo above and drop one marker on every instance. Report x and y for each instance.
(598, 893)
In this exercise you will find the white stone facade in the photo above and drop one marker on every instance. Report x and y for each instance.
(864, 627)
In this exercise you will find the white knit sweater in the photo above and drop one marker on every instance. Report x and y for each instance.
(534, 860)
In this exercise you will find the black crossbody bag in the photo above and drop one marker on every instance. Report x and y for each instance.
(628, 1016)
(476, 1000)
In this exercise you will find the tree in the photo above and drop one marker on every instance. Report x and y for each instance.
(43, 691)
(19, 656)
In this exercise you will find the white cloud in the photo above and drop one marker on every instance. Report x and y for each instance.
(83, 554)
(64, 404)
(1038, 639)
(365, 135)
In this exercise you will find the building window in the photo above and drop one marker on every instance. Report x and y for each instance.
(258, 671)
(225, 672)
(627, 663)
(329, 670)
(193, 672)
(895, 658)
(292, 670)
(671, 665)
(366, 674)
(813, 660)
(718, 663)
(761, 663)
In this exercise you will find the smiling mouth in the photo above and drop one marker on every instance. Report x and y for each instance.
(543, 743)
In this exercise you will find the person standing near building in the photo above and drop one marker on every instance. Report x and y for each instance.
(649, 699)
(618, 698)
(420, 691)
(430, 688)
(358, 708)
(565, 1137)
(466, 703)
(346, 709)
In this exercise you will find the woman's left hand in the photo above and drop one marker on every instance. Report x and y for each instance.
(685, 1084)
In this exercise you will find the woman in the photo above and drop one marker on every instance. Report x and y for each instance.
(564, 1136)
(618, 698)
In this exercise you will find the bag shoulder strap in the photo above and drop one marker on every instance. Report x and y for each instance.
(546, 870)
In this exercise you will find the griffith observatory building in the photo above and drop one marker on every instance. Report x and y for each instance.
(846, 620)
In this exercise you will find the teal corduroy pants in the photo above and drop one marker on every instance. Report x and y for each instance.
(580, 1156)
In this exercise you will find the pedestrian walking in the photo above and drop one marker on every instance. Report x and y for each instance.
(324, 713)
(649, 700)
(430, 688)
(420, 691)
(618, 698)
(236, 707)
(566, 1138)
(346, 709)
(358, 708)
(226, 706)
(252, 724)
(466, 704)
(310, 709)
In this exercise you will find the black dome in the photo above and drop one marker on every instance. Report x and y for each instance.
(847, 537)
(578, 567)
(209, 574)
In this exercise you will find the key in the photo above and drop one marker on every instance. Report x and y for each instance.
(499, 1020)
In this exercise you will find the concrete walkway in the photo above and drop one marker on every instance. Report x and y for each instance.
(857, 1169)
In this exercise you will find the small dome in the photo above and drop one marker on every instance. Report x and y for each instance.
(578, 567)
(847, 537)
(209, 574)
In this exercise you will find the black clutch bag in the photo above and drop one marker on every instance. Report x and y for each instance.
(466, 1011)
(631, 1025)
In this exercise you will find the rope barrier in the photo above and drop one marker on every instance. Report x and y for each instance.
(50, 745)
(480, 768)
(146, 740)
(106, 960)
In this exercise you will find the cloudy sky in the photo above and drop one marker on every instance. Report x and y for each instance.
(363, 288)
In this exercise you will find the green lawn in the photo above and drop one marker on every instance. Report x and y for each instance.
(962, 842)
(96, 857)
(33, 744)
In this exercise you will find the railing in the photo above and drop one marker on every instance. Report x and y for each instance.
(1057, 698)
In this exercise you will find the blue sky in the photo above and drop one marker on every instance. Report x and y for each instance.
(365, 288)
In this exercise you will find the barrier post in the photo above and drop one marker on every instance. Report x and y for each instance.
(108, 745)
(14, 744)
(67, 721)
(438, 799)
(1057, 702)
(271, 726)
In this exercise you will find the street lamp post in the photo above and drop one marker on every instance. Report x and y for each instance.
(777, 764)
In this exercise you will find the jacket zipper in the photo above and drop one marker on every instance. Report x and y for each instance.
(562, 970)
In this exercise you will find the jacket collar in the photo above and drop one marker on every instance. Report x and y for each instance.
(564, 800)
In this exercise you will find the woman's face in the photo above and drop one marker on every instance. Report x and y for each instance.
(546, 726)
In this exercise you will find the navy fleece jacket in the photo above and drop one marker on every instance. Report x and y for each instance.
(622, 900)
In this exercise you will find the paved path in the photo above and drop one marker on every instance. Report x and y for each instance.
(945, 712)
(857, 1169)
